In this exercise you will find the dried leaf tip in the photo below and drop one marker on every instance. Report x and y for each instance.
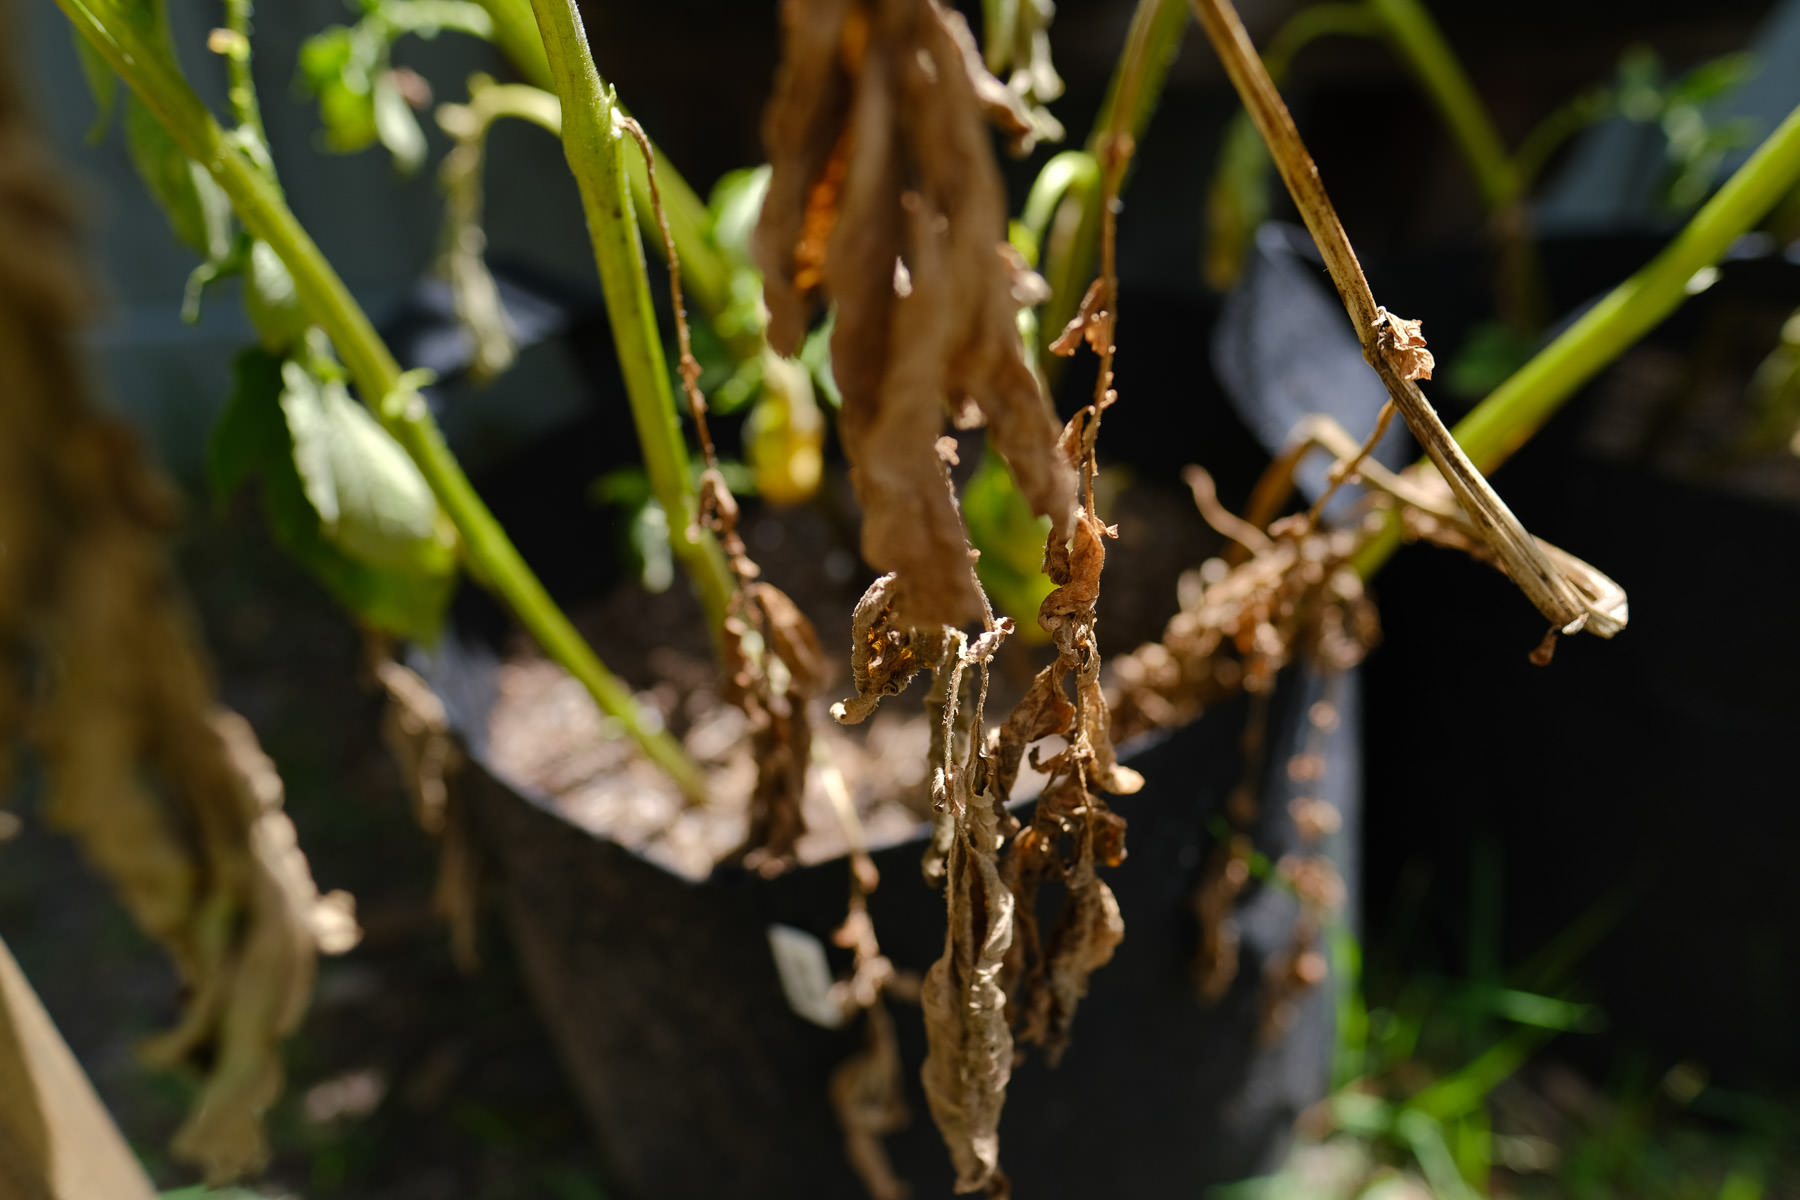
(1400, 339)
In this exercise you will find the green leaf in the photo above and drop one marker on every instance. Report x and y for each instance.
(338, 66)
(396, 125)
(1011, 540)
(815, 353)
(102, 83)
(1714, 78)
(735, 204)
(249, 433)
(370, 498)
(251, 439)
(198, 210)
(271, 300)
(1487, 358)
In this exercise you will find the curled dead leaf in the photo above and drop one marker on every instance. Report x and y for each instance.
(884, 656)
(1401, 340)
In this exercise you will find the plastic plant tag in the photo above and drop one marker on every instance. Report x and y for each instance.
(805, 975)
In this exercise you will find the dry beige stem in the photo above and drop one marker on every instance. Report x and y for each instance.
(868, 1090)
(168, 795)
(885, 199)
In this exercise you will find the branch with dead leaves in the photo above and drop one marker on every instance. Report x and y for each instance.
(1394, 347)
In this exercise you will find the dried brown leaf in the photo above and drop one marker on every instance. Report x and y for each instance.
(969, 1056)
(791, 636)
(884, 656)
(1401, 340)
(1088, 930)
(167, 795)
(1044, 710)
(868, 1094)
(920, 200)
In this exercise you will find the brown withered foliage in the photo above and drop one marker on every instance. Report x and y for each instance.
(1311, 876)
(1402, 338)
(772, 663)
(884, 655)
(1292, 595)
(868, 1094)
(1071, 831)
(886, 201)
(968, 1034)
(1295, 595)
(168, 794)
(416, 729)
(868, 1089)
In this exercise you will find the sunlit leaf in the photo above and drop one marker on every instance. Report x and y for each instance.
(371, 500)
(252, 439)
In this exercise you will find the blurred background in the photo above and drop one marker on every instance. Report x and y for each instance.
(1579, 926)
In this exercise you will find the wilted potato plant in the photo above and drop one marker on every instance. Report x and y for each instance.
(883, 207)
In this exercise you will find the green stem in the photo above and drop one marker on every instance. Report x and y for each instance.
(599, 152)
(705, 272)
(490, 554)
(1137, 83)
(1519, 407)
(241, 86)
(1421, 45)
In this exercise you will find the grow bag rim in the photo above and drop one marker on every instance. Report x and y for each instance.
(478, 757)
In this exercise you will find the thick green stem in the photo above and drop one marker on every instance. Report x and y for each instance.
(705, 273)
(490, 554)
(598, 151)
(1137, 83)
(1516, 409)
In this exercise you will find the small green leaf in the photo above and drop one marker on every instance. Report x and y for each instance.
(370, 498)
(251, 439)
(198, 210)
(271, 300)
(815, 353)
(338, 66)
(249, 433)
(735, 204)
(1713, 78)
(1011, 540)
(396, 125)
